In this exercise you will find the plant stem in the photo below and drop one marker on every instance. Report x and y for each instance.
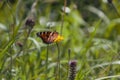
(58, 63)
(46, 74)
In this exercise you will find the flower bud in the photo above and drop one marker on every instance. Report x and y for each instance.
(72, 69)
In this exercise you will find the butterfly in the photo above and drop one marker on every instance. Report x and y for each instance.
(49, 37)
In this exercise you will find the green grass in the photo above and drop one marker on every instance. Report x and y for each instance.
(91, 37)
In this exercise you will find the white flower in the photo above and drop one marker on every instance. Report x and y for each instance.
(67, 9)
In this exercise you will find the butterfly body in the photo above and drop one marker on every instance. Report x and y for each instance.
(48, 37)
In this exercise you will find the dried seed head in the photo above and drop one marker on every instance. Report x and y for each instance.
(109, 1)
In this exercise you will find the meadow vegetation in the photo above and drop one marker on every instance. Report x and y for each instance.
(90, 49)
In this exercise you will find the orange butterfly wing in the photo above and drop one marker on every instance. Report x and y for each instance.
(48, 36)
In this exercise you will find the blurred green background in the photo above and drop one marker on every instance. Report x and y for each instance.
(91, 31)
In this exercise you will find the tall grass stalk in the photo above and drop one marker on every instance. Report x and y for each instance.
(109, 77)
(115, 9)
(69, 51)
(63, 17)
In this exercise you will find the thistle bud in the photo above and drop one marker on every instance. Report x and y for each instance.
(19, 44)
(72, 69)
(30, 22)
